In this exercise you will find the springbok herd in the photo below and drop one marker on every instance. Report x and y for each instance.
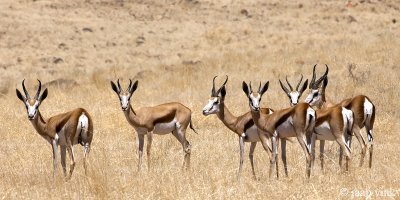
(315, 119)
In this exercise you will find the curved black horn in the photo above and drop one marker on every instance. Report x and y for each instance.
(251, 90)
(313, 77)
(130, 85)
(298, 84)
(38, 91)
(316, 83)
(25, 91)
(259, 88)
(290, 86)
(226, 80)
(213, 92)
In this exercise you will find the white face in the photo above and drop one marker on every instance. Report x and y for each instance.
(32, 107)
(254, 101)
(294, 98)
(212, 106)
(124, 100)
(313, 98)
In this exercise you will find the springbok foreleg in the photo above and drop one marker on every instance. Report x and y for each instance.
(148, 148)
(283, 156)
(251, 153)
(141, 144)
(54, 147)
(241, 146)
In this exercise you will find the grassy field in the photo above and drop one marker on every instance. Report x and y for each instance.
(174, 48)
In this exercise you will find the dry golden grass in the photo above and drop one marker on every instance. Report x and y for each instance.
(174, 48)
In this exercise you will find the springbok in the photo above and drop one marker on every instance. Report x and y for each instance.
(65, 130)
(242, 125)
(334, 123)
(297, 121)
(361, 105)
(161, 119)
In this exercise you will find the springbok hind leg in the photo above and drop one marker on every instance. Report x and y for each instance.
(86, 154)
(72, 157)
(179, 134)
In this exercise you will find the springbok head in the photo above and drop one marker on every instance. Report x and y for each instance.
(254, 97)
(124, 96)
(294, 95)
(32, 105)
(316, 96)
(217, 97)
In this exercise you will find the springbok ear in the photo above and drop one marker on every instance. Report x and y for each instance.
(264, 88)
(304, 87)
(114, 87)
(43, 96)
(134, 87)
(245, 88)
(223, 91)
(20, 96)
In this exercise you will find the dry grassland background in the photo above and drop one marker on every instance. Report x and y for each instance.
(174, 48)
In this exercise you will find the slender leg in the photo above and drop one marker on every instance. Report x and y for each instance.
(70, 149)
(313, 139)
(283, 156)
(302, 141)
(371, 148)
(251, 153)
(345, 149)
(148, 148)
(322, 153)
(241, 146)
(276, 140)
(63, 151)
(269, 150)
(54, 147)
(360, 138)
(86, 151)
(179, 134)
(141, 144)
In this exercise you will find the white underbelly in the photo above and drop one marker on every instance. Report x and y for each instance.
(286, 129)
(252, 134)
(324, 132)
(165, 128)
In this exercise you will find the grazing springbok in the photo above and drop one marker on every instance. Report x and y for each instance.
(65, 129)
(242, 125)
(361, 105)
(161, 119)
(334, 123)
(297, 121)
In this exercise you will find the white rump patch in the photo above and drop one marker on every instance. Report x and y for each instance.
(82, 128)
(368, 107)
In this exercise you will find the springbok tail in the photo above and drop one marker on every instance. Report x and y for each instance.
(191, 126)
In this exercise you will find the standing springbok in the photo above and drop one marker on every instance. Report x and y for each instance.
(65, 129)
(297, 121)
(243, 125)
(334, 123)
(361, 105)
(161, 119)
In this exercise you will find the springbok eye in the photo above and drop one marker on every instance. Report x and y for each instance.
(216, 102)
(315, 94)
